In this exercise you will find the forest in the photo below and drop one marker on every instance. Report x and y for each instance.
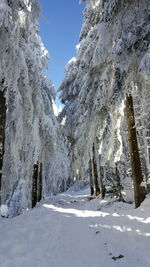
(91, 161)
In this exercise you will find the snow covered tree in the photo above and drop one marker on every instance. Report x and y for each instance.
(30, 138)
(112, 60)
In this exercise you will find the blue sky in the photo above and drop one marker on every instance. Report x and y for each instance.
(60, 26)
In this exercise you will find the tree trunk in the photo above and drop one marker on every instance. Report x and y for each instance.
(91, 177)
(119, 195)
(2, 132)
(139, 192)
(34, 185)
(95, 173)
(39, 184)
(103, 190)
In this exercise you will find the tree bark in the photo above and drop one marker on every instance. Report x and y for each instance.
(139, 192)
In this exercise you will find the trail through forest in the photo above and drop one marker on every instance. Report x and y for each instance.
(73, 230)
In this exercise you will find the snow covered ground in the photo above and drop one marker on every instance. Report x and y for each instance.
(70, 230)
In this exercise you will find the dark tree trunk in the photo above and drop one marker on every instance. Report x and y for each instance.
(91, 177)
(39, 184)
(119, 187)
(95, 173)
(2, 131)
(34, 185)
(103, 190)
(139, 192)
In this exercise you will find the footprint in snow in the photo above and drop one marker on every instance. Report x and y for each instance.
(118, 257)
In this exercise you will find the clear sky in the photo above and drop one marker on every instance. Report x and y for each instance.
(60, 26)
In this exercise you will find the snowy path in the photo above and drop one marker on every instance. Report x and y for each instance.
(71, 231)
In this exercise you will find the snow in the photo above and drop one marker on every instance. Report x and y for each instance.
(4, 210)
(57, 110)
(71, 230)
